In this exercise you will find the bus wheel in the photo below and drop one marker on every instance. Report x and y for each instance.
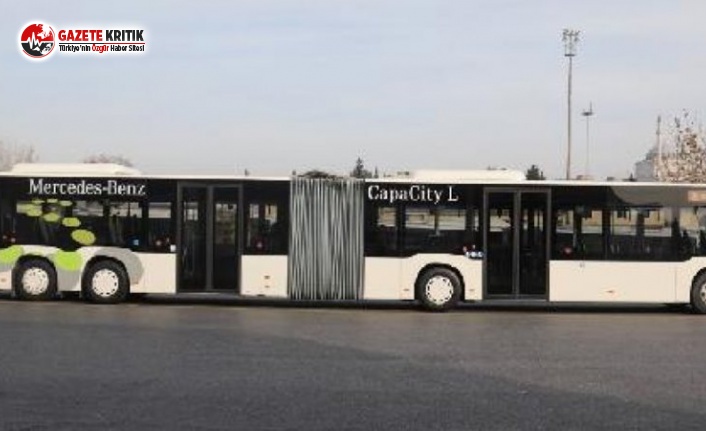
(698, 295)
(439, 289)
(35, 280)
(105, 282)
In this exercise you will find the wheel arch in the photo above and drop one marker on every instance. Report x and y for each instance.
(103, 258)
(26, 258)
(698, 274)
(697, 298)
(434, 265)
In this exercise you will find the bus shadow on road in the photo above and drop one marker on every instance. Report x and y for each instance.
(481, 307)
(232, 300)
(487, 306)
(583, 308)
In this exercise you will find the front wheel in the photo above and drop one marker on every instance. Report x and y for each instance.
(698, 295)
(106, 282)
(439, 289)
(35, 280)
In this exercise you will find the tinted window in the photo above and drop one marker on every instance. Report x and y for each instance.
(434, 230)
(382, 234)
(578, 233)
(266, 232)
(266, 217)
(641, 233)
(71, 222)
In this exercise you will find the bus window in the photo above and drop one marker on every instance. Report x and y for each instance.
(646, 233)
(266, 232)
(473, 237)
(578, 233)
(37, 222)
(382, 232)
(434, 230)
(124, 220)
(159, 227)
(692, 223)
(90, 216)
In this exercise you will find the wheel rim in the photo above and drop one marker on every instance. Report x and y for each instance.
(105, 283)
(439, 290)
(702, 293)
(35, 281)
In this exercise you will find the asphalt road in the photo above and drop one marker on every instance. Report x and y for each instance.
(200, 365)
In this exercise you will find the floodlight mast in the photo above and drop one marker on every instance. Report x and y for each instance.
(570, 38)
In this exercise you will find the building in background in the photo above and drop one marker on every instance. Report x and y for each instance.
(645, 168)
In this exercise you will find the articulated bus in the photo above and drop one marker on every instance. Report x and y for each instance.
(106, 231)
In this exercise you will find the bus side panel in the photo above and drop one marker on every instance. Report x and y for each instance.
(595, 281)
(686, 271)
(6, 280)
(382, 278)
(264, 275)
(160, 274)
(148, 272)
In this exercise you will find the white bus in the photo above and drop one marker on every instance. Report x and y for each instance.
(106, 231)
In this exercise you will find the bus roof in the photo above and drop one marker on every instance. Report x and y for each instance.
(103, 169)
(494, 177)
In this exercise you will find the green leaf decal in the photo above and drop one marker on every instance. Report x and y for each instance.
(10, 254)
(71, 222)
(83, 236)
(68, 260)
(51, 217)
(34, 212)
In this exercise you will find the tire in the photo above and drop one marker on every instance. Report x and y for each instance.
(698, 295)
(35, 280)
(106, 282)
(438, 289)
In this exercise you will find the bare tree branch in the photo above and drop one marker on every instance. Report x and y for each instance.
(108, 158)
(684, 160)
(11, 154)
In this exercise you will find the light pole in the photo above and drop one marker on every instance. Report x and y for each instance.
(570, 38)
(588, 113)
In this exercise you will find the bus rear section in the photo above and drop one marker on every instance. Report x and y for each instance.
(103, 234)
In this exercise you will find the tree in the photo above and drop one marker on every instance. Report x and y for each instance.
(10, 155)
(108, 158)
(318, 174)
(684, 160)
(359, 170)
(534, 173)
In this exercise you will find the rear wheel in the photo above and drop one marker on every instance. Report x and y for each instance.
(439, 289)
(106, 282)
(698, 295)
(35, 280)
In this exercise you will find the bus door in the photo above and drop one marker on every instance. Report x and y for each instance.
(516, 236)
(208, 238)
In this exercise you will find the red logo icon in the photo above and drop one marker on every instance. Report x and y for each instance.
(37, 40)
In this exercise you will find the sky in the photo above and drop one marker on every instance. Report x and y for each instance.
(273, 86)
